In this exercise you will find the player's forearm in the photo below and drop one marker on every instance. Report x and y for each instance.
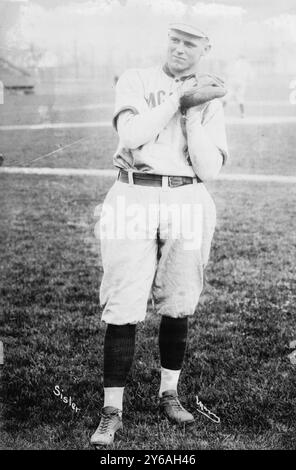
(138, 129)
(206, 157)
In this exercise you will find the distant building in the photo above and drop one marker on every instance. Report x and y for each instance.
(15, 78)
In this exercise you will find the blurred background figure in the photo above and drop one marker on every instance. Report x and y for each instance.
(239, 75)
(47, 73)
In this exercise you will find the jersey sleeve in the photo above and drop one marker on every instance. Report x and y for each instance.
(129, 95)
(213, 121)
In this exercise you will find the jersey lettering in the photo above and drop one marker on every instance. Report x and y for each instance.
(151, 100)
(156, 98)
(160, 96)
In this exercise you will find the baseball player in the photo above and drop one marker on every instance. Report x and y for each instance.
(239, 75)
(171, 138)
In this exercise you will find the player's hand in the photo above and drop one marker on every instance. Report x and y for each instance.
(186, 85)
(206, 88)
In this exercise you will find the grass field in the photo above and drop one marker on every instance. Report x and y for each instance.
(237, 358)
(239, 338)
(264, 149)
(253, 149)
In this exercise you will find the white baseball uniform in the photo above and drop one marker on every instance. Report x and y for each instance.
(151, 255)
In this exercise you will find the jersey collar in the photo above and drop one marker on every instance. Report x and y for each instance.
(168, 72)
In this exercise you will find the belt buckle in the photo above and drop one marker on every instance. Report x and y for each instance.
(175, 181)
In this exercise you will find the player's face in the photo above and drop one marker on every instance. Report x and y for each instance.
(184, 51)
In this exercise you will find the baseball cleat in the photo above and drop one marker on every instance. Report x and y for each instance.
(171, 407)
(111, 422)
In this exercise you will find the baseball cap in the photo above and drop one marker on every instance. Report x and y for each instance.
(189, 28)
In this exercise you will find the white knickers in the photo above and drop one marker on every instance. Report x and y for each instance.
(154, 237)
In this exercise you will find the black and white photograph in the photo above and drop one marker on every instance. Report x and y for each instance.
(148, 228)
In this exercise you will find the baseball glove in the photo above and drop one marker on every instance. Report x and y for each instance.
(207, 88)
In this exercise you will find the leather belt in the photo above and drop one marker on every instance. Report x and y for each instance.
(149, 179)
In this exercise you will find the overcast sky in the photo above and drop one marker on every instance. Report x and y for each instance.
(108, 28)
(264, 8)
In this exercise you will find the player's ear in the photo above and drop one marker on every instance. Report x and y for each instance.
(206, 49)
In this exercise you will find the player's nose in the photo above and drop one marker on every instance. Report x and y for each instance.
(180, 48)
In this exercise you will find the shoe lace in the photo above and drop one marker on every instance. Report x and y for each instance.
(106, 421)
(177, 405)
(174, 402)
